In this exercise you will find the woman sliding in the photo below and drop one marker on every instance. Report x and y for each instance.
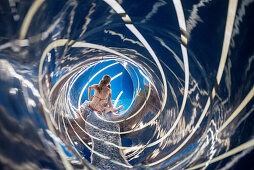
(101, 101)
(104, 134)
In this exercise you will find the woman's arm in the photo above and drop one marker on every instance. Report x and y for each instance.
(90, 89)
(109, 101)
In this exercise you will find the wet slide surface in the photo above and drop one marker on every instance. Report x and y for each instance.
(182, 69)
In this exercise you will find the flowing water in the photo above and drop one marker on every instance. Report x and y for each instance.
(183, 70)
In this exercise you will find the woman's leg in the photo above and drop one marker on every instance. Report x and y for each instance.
(108, 109)
(118, 108)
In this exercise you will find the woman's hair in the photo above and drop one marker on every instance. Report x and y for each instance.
(105, 80)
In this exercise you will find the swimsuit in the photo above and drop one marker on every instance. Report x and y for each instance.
(86, 108)
(99, 98)
(94, 109)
